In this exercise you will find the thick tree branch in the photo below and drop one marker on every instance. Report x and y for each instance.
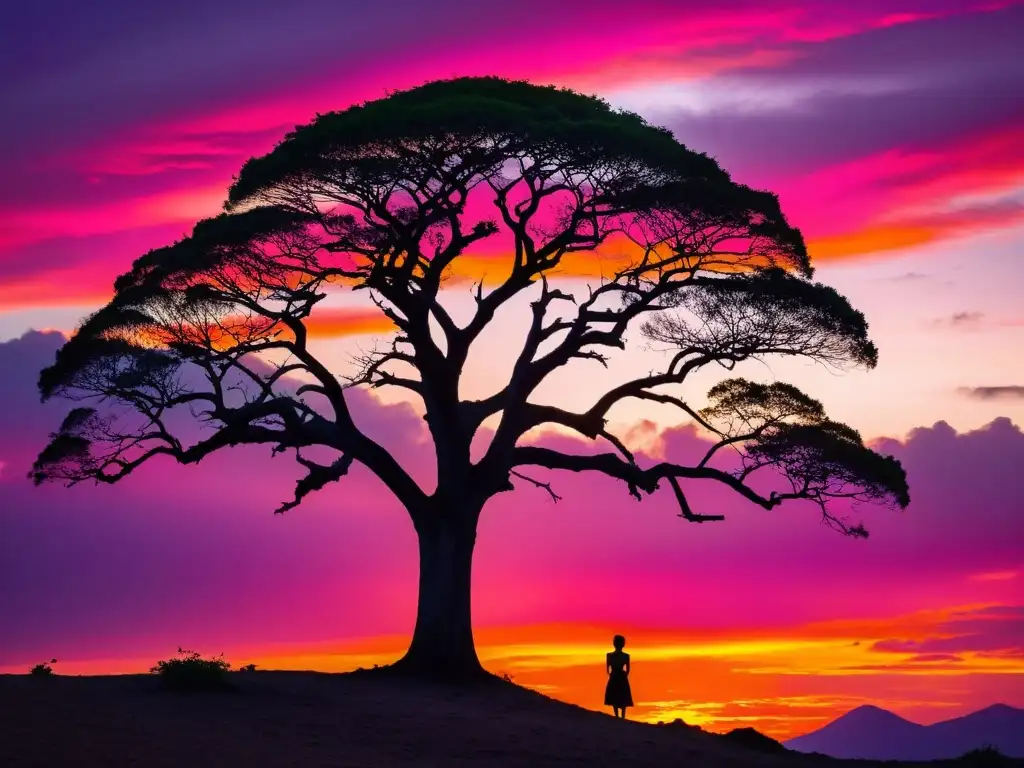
(638, 479)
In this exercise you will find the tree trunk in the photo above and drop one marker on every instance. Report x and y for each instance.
(442, 642)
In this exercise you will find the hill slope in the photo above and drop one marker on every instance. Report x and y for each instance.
(874, 734)
(368, 720)
(309, 719)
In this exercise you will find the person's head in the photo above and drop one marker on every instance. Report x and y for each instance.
(619, 642)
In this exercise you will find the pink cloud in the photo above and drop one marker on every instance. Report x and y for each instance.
(149, 164)
(28, 225)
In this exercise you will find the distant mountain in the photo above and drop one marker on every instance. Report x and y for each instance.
(871, 733)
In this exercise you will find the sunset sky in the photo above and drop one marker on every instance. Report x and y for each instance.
(893, 132)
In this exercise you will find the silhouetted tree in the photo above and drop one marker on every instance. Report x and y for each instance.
(379, 198)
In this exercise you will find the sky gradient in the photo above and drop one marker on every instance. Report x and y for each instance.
(894, 135)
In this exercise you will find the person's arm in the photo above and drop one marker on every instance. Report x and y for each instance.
(627, 665)
(608, 664)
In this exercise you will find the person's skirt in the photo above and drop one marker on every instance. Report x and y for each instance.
(617, 692)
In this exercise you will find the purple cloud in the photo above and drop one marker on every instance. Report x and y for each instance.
(996, 630)
(142, 62)
(922, 85)
(952, 46)
(1012, 392)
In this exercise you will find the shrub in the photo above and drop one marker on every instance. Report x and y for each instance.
(984, 757)
(247, 668)
(191, 672)
(43, 670)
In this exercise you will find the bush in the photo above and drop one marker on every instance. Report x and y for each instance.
(191, 672)
(247, 668)
(43, 670)
(984, 757)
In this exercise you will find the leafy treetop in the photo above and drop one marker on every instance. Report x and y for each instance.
(390, 197)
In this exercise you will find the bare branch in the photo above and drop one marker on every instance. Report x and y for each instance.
(684, 506)
(317, 477)
(545, 486)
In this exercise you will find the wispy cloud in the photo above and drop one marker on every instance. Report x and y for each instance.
(997, 631)
(962, 320)
(995, 576)
(1009, 392)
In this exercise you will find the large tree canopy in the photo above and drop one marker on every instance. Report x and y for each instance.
(391, 197)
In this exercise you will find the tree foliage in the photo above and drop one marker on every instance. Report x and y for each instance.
(384, 197)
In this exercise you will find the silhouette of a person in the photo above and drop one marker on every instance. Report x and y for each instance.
(617, 693)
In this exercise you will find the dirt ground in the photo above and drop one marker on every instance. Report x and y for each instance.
(309, 719)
